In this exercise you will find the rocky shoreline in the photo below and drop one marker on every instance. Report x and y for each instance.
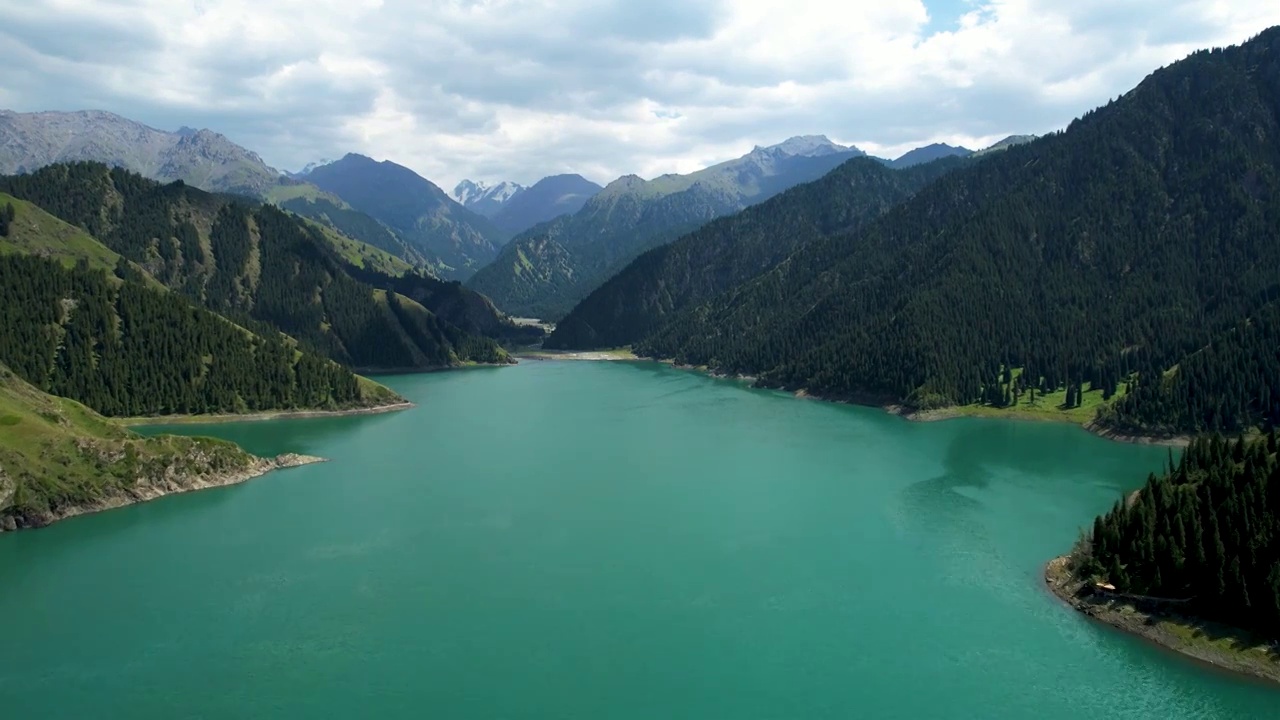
(171, 484)
(1214, 644)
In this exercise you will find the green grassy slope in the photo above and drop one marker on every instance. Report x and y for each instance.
(36, 232)
(56, 454)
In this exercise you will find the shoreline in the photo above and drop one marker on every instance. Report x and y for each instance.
(169, 485)
(581, 355)
(1229, 649)
(260, 416)
(941, 414)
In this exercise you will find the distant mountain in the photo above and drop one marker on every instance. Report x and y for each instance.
(929, 153)
(202, 158)
(546, 270)
(418, 211)
(547, 199)
(1007, 143)
(484, 199)
(308, 168)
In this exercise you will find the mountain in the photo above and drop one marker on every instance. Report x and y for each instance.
(734, 249)
(203, 158)
(545, 200)
(484, 199)
(255, 264)
(416, 209)
(78, 320)
(1006, 143)
(1127, 263)
(929, 153)
(546, 270)
(308, 168)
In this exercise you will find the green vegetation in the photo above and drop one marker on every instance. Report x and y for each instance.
(732, 250)
(126, 349)
(1139, 240)
(56, 454)
(454, 241)
(548, 269)
(32, 231)
(255, 264)
(363, 255)
(1206, 535)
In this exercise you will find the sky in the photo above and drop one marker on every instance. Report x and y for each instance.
(520, 89)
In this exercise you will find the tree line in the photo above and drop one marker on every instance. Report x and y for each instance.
(1206, 531)
(125, 349)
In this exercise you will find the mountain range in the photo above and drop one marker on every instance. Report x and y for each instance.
(30, 141)
(544, 271)
(1122, 271)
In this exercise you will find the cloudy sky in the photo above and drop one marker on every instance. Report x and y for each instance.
(519, 89)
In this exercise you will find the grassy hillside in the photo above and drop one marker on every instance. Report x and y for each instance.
(36, 232)
(56, 455)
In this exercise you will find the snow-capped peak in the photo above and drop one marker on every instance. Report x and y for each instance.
(306, 170)
(471, 192)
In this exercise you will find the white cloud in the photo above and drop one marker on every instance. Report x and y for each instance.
(517, 89)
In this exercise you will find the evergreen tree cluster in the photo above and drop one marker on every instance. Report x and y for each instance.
(1207, 531)
(7, 216)
(729, 251)
(126, 349)
(1117, 256)
(255, 264)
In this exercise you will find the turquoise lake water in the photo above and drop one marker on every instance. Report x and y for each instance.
(599, 540)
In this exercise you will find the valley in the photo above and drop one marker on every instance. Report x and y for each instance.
(544, 432)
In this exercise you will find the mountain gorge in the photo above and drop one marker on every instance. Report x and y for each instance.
(419, 212)
(1111, 260)
(545, 271)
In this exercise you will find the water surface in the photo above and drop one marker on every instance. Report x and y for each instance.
(593, 540)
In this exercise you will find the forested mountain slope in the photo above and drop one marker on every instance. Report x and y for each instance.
(253, 263)
(1102, 257)
(128, 349)
(729, 251)
(545, 271)
(1207, 532)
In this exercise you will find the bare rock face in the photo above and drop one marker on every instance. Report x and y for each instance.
(202, 158)
(8, 488)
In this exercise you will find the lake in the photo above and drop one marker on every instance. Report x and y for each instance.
(599, 540)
